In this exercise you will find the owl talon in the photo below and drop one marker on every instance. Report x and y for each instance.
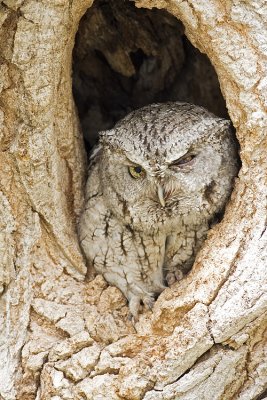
(134, 306)
(173, 277)
(170, 278)
(179, 275)
(149, 302)
(132, 319)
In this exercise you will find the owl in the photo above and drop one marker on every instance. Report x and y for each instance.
(156, 183)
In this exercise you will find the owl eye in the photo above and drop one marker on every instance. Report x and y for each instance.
(136, 172)
(185, 160)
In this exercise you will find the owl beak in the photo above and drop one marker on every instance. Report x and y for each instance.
(161, 195)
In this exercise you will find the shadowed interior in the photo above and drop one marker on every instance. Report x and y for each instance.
(125, 58)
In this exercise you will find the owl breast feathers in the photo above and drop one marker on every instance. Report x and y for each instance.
(156, 182)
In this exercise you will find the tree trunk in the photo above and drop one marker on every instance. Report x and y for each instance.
(64, 336)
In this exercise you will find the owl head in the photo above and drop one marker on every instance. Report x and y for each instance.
(165, 161)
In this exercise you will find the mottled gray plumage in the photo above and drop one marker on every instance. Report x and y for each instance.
(142, 232)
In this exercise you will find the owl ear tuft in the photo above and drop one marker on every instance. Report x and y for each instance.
(225, 123)
(223, 127)
(105, 137)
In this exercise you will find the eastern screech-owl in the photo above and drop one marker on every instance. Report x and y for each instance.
(156, 182)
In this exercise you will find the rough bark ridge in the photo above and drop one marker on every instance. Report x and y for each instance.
(67, 338)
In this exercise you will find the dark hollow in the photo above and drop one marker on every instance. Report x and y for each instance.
(125, 58)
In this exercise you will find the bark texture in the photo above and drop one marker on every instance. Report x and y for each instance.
(63, 336)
